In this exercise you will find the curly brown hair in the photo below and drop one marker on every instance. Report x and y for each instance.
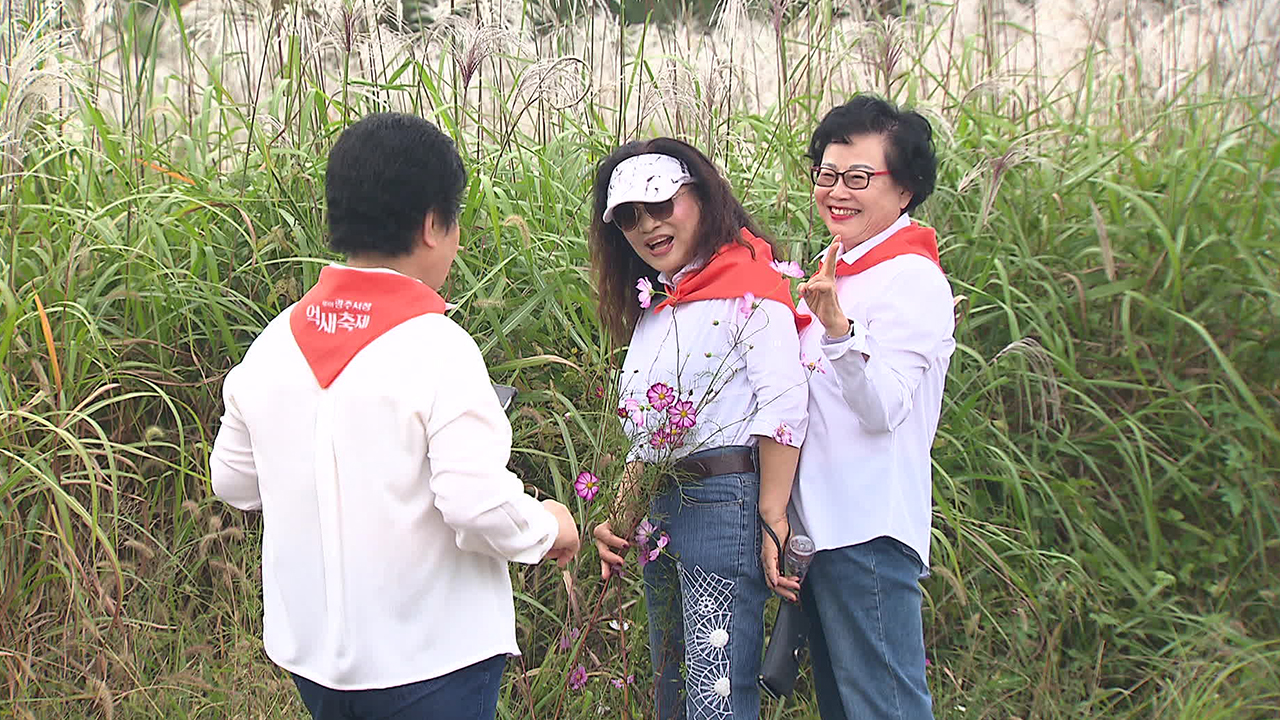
(616, 267)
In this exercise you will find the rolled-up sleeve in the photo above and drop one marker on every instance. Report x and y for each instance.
(880, 366)
(770, 349)
(232, 470)
(469, 444)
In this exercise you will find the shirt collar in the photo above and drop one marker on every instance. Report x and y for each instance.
(692, 267)
(340, 266)
(448, 306)
(857, 251)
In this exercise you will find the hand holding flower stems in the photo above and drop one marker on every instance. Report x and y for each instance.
(611, 547)
(608, 545)
(587, 486)
(819, 292)
(650, 542)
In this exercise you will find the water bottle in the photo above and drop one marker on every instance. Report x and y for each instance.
(781, 664)
(800, 551)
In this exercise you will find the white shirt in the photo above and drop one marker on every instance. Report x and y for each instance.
(389, 515)
(736, 364)
(874, 402)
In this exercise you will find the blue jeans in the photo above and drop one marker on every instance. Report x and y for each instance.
(467, 694)
(705, 597)
(866, 636)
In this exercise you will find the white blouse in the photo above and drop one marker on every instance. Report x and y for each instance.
(389, 514)
(874, 399)
(733, 370)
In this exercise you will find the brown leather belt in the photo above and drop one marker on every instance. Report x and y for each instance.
(725, 460)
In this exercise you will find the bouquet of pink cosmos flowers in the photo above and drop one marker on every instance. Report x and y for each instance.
(667, 420)
(662, 423)
(665, 417)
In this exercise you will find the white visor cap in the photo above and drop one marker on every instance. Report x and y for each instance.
(652, 177)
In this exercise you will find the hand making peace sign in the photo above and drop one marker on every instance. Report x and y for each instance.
(819, 292)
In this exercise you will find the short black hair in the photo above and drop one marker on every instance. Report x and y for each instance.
(912, 158)
(386, 174)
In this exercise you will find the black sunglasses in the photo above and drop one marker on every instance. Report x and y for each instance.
(627, 215)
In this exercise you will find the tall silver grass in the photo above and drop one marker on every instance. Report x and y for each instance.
(680, 79)
(35, 78)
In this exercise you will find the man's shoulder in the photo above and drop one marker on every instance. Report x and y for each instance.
(434, 329)
(273, 332)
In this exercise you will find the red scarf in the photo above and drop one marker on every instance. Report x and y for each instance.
(348, 309)
(910, 240)
(732, 273)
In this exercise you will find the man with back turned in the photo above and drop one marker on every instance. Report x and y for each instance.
(363, 425)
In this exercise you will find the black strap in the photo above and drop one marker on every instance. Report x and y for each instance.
(774, 536)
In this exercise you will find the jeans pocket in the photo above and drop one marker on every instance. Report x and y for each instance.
(717, 490)
(913, 560)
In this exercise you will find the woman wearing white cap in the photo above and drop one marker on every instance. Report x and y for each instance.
(712, 387)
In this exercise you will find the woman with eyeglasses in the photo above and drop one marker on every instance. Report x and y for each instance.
(712, 388)
(880, 350)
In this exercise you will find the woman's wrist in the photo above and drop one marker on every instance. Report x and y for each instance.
(773, 515)
(837, 328)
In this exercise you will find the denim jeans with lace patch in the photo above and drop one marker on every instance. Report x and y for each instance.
(705, 596)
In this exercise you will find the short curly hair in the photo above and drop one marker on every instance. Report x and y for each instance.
(911, 155)
(386, 174)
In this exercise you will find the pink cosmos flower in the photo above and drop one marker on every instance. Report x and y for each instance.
(587, 486)
(619, 682)
(782, 434)
(578, 678)
(812, 365)
(644, 531)
(644, 292)
(657, 548)
(748, 306)
(647, 554)
(630, 410)
(659, 438)
(789, 269)
(676, 436)
(683, 414)
(661, 395)
(566, 641)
